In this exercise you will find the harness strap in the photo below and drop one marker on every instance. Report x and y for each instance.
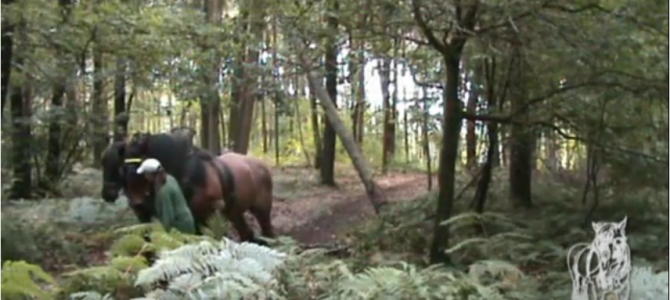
(132, 160)
(226, 179)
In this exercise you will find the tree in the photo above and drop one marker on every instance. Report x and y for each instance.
(327, 165)
(451, 52)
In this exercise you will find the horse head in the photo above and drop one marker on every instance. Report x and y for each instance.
(112, 177)
(135, 186)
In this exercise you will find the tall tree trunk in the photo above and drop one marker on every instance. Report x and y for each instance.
(263, 98)
(7, 49)
(275, 84)
(121, 129)
(329, 135)
(255, 23)
(53, 160)
(471, 134)
(21, 112)
(385, 82)
(426, 142)
(520, 142)
(211, 102)
(264, 126)
(358, 83)
(100, 132)
(364, 171)
(318, 145)
(405, 121)
(451, 129)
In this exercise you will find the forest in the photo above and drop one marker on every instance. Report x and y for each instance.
(419, 149)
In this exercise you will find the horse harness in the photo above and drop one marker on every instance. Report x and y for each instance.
(226, 179)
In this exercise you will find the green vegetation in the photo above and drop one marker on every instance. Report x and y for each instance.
(495, 132)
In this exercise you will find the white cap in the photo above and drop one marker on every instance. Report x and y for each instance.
(149, 165)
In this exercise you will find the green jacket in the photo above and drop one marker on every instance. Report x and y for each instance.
(172, 209)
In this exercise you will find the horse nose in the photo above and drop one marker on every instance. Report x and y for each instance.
(109, 195)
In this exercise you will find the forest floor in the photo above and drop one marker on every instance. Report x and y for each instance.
(309, 212)
(318, 215)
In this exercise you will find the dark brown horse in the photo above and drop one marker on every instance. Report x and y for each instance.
(231, 183)
(252, 182)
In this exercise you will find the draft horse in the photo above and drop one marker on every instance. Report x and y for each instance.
(178, 142)
(252, 183)
(230, 183)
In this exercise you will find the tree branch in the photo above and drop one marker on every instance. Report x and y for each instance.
(426, 30)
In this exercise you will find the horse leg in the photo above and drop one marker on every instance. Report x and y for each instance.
(264, 218)
(243, 229)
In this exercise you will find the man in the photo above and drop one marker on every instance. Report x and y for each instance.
(171, 208)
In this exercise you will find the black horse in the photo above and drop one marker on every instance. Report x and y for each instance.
(179, 158)
(113, 172)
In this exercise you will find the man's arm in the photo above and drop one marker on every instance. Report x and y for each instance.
(167, 210)
(179, 205)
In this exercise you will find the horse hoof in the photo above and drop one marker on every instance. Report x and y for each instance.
(259, 242)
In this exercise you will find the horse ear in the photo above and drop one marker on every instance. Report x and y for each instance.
(596, 226)
(622, 224)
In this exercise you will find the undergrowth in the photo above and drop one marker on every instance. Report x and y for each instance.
(501, 254)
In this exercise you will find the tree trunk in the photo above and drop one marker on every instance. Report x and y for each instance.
(471, 135)
(255, 13)
(21, 112)
(7, 49)
(329, 135)
(204, 120)
(301, 136)
(100, 132)
(520, 142)
(275, 90)
(211, 102)
(318, 153)
(426, 142)
(451, 129)
(121, 129)
(360, 163)
(385, 82)
(405, 121)
(54, 149)
(358, 86)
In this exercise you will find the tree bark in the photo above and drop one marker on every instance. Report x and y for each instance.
(100, 132)
(318, 153)
(385, 82)
(520, 142)
(53, 160)
(121, 129)
(7, 51)
(255, 13)
(211, 102)
(426, 142)
(21, 112)
(471, 135)
(360, 163)
(329, 135)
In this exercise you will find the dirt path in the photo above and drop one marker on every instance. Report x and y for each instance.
(322, 217)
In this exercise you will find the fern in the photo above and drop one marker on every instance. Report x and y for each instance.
(224, 270)
(648, 286)
(21, 279)
(410, 282)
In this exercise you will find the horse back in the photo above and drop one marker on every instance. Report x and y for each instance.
(251, 177)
